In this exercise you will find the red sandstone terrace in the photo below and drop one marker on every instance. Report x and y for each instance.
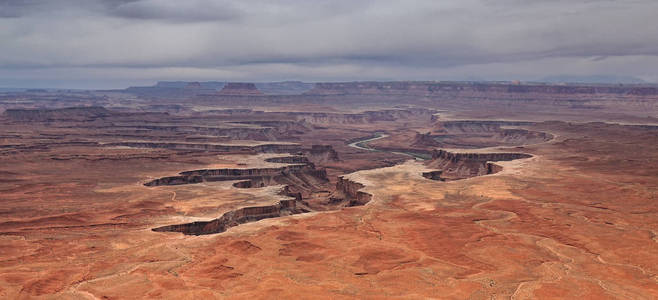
(352, 190)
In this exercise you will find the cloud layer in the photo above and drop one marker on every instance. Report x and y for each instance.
(109, 43)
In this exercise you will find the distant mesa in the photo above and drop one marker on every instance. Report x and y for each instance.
(284, 87)
(193, 86)
(600, 79)
(209, 85)
(68, 113)
(240, 89)
(449, 88)
(176, 89)
(182, 89)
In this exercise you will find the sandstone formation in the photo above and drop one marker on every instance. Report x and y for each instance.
(193, 86)
(348, 193)
(300, 179)
(183, 88)
(69, 113)
(240, 89)
(479, 134)
(420, 88)
(236, 217)
(465, 165)
(258, 148)
(284, 87)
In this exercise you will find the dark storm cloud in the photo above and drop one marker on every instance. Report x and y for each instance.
(18, 8)
(176, 10)
(326, 39)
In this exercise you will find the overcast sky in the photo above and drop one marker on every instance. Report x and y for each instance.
(116, 43)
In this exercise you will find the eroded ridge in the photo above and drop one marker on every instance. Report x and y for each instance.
(301, 180)
(235, 218)
(474, 134)
(455, 166)
(348, 193)
(224, 148)
(264, 176)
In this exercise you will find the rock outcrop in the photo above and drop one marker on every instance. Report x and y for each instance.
(302, 178)
(175, 89)
(365, 117)
(280, 128)
(70, 113)
(321, 154)
(294, 159)
(454, 166)
(208, 87)
(223, 148)
(430, 88)
(479, 134)
(236, 217)
(284, 87)
(193, 86)
(240, 89)
(301, 181)
(348, 193)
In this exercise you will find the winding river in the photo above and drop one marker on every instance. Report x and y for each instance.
(363, 145)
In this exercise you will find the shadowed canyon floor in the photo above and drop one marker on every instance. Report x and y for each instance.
(325, 199)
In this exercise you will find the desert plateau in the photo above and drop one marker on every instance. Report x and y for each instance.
(329, 149)
(423, 190)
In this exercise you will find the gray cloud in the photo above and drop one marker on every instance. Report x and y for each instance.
(326, 40)
(21, 8)
(181, 11)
